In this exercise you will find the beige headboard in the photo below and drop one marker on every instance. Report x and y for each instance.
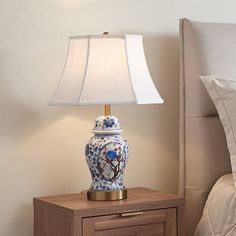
(206, 49)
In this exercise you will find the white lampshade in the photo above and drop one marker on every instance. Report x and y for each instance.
(105, 69)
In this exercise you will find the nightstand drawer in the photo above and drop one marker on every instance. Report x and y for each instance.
(144, 223)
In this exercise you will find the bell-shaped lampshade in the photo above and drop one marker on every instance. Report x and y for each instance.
(105, 69)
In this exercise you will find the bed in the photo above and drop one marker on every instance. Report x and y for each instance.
(206, 49)
(219, 214)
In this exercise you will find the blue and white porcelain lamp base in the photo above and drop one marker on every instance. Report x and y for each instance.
(107, 155)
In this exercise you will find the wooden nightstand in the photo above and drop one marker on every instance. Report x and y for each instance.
(145, 212)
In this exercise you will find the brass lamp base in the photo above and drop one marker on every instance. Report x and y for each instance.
(108, 195)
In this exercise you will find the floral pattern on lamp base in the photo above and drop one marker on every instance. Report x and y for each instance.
(107, 155)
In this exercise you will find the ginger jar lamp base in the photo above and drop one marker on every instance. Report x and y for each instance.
(107, 155)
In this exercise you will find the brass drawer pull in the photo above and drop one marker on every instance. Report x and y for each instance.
(138, 213)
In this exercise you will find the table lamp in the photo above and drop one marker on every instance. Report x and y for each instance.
(106, 70)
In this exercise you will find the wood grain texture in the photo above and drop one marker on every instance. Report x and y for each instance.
(156, 222)
(77, 204)
(51, 223)
(171, 222)
(74, 215)
(141, 230)
(181, 220)
(116, 221)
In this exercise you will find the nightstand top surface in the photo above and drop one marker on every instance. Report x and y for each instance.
(77, 204)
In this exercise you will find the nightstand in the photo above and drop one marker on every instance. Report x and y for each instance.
(144, 213)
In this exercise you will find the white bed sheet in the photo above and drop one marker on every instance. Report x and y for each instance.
(219, 215)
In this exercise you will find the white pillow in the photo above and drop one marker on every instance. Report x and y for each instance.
(223, 93)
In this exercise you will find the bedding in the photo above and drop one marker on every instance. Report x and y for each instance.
(223, 93)
(219, 215)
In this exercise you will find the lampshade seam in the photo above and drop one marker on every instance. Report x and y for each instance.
(131, 81)
(85, 72)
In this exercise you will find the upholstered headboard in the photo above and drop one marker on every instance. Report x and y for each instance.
(206, 49)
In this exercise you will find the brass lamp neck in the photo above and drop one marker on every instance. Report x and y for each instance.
(107, 110)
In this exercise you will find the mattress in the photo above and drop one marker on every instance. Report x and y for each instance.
(219, 215)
